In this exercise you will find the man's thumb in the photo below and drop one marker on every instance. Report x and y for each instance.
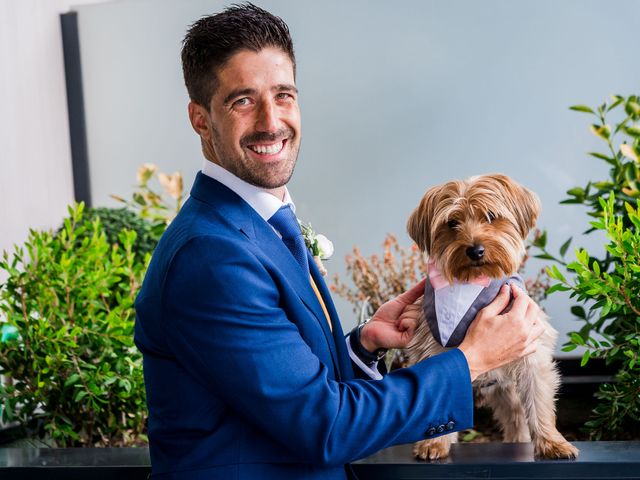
(500, 302)
(414, 293)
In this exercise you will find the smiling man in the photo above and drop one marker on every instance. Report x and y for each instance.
(247, 370)
(251, 125)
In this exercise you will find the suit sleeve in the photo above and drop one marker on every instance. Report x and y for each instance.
(223, 312)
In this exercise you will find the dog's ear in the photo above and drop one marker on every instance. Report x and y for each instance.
(529, 210)
(524, 203)
(419, 223)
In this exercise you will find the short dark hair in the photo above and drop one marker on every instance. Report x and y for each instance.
(213, 40)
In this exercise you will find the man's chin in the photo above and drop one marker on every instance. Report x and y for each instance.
(269, 179)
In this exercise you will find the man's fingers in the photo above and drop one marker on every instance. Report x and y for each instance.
(409, 318)
(533, 310)
(414, 293)
(529, 349)
(499, 303)
(407, 323)
(521, 301)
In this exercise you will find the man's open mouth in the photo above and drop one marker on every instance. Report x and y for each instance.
(272, 149)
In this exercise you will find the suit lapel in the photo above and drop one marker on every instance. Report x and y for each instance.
(227, 203)
(344, 362)
(269, 242)
(240, 213)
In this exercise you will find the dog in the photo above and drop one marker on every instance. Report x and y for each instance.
(474, 233)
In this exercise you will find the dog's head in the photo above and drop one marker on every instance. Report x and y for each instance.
(475, 227)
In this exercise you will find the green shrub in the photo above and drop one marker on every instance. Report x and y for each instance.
(68, 348)
(113, 221)
(608, 288)
(157, 206)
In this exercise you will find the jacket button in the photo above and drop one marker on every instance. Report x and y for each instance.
(440, 428)
(431, 431)
(450, 425)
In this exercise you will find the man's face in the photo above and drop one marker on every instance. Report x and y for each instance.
(255, 118)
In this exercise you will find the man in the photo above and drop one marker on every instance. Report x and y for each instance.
(247, 371)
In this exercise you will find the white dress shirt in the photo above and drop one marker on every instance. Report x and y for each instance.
(260, 200)
(266, 204)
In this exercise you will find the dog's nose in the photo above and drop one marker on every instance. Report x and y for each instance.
(475, 252)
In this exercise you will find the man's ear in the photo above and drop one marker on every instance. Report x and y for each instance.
(200, 120)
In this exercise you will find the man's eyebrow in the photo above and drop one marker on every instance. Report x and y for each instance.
(241, 92)
(238, 93)
(285, 87)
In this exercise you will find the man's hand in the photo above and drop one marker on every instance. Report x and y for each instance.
(392, 326)
(494, 340)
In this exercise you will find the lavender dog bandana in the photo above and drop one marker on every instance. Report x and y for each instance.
(450, 308)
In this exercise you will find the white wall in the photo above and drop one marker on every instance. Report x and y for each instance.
(395, 96)
(35, 158)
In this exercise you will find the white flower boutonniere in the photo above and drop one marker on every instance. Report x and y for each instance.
(321, 247)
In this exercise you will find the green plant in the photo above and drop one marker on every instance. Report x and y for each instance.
(158, 207)
(608, 288)
(616, 296)
(113, 221)
(380, 278)
(68, 306)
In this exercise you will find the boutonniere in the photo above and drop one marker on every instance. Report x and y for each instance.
(321, 247)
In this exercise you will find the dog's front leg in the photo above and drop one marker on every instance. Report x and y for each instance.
(537, 385)
(435, 448)
(505, 403)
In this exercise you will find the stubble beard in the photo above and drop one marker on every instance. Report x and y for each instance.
(263, 175)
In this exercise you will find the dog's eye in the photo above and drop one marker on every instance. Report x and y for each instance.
(491, 217)
(453, 224)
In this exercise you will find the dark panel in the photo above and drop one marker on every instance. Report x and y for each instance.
(75, 106)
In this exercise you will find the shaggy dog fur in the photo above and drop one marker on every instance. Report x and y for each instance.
(495, 212)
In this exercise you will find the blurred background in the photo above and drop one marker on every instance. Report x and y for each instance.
(395, 97)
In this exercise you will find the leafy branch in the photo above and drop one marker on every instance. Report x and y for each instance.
(608, 289)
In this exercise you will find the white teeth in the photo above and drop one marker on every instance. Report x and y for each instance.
(267, 149)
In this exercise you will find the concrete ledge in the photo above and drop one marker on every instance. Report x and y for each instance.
(598, 460)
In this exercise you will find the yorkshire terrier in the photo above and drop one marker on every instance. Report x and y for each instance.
(474, 232)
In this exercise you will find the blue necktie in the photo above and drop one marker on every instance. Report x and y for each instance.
(286, 223)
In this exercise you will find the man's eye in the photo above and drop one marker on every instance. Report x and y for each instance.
(241, 102)
(284, 96)
(453, 224)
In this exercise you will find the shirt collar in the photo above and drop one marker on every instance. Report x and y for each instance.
(261, 201)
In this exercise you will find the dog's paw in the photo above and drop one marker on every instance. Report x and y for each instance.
(431, 449)
(555, 450)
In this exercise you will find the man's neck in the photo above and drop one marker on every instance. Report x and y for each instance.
(264, 201)
(276, 192)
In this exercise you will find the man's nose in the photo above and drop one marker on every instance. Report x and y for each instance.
(267, 120)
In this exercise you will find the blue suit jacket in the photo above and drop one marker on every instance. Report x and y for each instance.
(244, 378)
